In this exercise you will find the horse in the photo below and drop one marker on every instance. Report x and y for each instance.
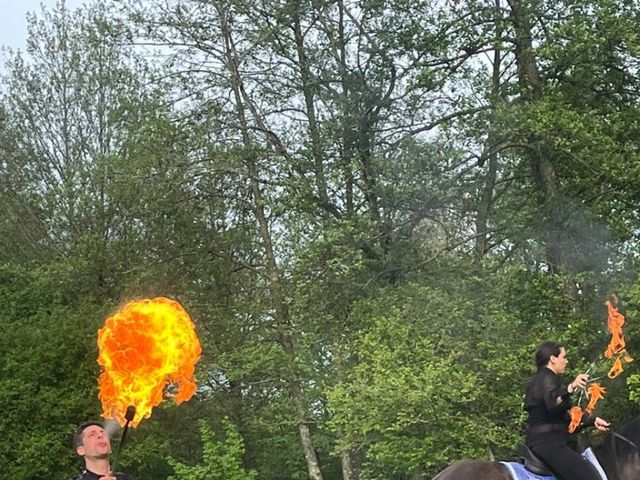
(618, 455)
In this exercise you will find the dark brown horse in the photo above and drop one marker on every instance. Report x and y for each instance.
(618, 455)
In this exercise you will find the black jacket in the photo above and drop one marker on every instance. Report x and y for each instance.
(88, 475)
(549, 420)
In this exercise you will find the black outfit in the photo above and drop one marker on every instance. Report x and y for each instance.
(548, 435)
(88, 475)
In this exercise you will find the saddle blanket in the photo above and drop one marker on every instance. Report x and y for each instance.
(518, 472)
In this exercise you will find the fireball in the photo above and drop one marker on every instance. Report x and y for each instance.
(146, 349)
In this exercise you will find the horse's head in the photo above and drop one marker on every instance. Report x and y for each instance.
(625, 448)
(631, 430)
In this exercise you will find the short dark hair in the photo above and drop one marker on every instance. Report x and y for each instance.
(77, 436)
(545, 351)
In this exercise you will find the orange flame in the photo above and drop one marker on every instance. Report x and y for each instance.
(596, 393)
(615, 321)
(146, 346)
(576, 417)
(616, 369)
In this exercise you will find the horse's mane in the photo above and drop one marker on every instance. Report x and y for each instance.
(631, 430)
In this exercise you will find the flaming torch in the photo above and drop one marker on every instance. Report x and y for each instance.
(146, 349)
(616, 351)
(130, 413)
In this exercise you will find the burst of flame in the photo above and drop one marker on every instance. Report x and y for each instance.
(615, 321)
(576, 417)
(616, 350)
(596, 393)
(616, 369)
(146, 347)
(616, 345)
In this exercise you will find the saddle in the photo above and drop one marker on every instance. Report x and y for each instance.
(532, 463)
(530, 467)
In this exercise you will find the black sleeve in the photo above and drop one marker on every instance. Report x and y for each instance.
(588, 420)
(551, 390)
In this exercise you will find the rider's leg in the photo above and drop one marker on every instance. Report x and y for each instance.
(565, 462)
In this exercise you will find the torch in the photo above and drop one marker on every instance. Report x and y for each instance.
(129, 414)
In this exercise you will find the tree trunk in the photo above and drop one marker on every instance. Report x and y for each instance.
(346, 153)
(351, 462)
(486, 198)
(314, 133)
(281, 311)
(531, 91)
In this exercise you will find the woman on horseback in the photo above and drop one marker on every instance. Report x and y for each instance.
(548, 404)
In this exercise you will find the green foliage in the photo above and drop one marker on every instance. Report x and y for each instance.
(447, 366)
(350, 200)
(48, 379)
(410, 382)
(221, 458)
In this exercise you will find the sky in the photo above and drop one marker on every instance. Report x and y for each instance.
(13, 23)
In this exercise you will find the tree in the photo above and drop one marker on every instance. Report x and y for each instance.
(331, 189)
(69, 105)
(222, 458)
(48, 368)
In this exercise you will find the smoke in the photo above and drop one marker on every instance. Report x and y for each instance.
(111, 426)
(584, 242)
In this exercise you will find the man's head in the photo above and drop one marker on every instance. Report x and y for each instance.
(92, 441)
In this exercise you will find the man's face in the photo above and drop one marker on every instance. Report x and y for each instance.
(95, 443)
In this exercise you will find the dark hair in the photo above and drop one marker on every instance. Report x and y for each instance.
(544, 352)
(77, 437)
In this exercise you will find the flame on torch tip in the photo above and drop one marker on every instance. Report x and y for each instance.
(144, 346)
(576, 417)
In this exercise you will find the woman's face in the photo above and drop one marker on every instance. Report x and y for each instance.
(559, 364)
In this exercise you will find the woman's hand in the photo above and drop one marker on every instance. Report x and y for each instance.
(601, 424)
(579, 382)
